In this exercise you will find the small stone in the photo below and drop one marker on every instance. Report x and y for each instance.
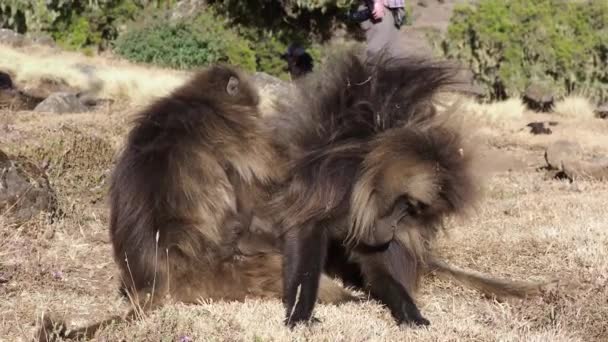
(12, 38)
(61, 103)
(561, 151)
(539, 98)
(25, 190)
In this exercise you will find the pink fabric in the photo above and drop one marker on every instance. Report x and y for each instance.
(394, 3)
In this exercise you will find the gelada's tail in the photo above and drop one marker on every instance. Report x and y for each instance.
(489, 286)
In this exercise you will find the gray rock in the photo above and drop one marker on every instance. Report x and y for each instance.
(562, 151)
(602, 111)
(25, 191)
(61, 103)
(41, 39)
(12, 38)
(574, 170)
(539, 98)
(263, 79)
(271, 84)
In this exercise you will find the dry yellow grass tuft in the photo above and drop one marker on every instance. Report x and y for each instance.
(575, 106)
(497, 111)
(108, 78)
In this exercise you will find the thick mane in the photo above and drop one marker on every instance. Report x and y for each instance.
(351, 98)
(341, 107)
(427, 162)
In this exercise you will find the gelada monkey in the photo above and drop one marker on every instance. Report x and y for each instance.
(181, 195)
(373, 173)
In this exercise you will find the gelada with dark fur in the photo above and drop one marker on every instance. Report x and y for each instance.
(182, 194)
(373, 173)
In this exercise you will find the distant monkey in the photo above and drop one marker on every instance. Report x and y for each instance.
(374, 172)
(299, 62)
(182, 195)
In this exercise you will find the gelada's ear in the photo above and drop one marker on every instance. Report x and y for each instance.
(233, 86)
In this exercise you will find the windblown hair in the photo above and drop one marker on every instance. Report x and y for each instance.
(374, 171)
(183, 193)
(332, 124)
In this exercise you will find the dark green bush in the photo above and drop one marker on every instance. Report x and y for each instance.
(185, 44)
(510, 43)
(169, 45)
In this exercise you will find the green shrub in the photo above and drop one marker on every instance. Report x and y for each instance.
(185, 44)
(510, 43)
(234, 49)
(73, 24)
(170, 45)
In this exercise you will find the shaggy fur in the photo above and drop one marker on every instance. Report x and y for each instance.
(374, 171)
(183, 193)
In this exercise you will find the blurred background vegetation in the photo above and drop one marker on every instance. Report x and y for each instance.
(510, 43)
(506, 43)
(186, 34)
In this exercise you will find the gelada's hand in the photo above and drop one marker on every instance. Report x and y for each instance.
(378, 11)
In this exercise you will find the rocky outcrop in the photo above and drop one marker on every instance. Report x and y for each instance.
(62, 103)
(565, 161)
(591, 170)
(25, 191)
(12, 38)
(272, 91)
(15, 39)
(561, 151)
(539, 98)
(39, 38)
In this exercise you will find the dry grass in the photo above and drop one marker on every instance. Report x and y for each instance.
(111, 78)
(528, 227)
(497, 111)
(575, 107)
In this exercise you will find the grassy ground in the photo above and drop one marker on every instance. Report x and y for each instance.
(528, 227)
